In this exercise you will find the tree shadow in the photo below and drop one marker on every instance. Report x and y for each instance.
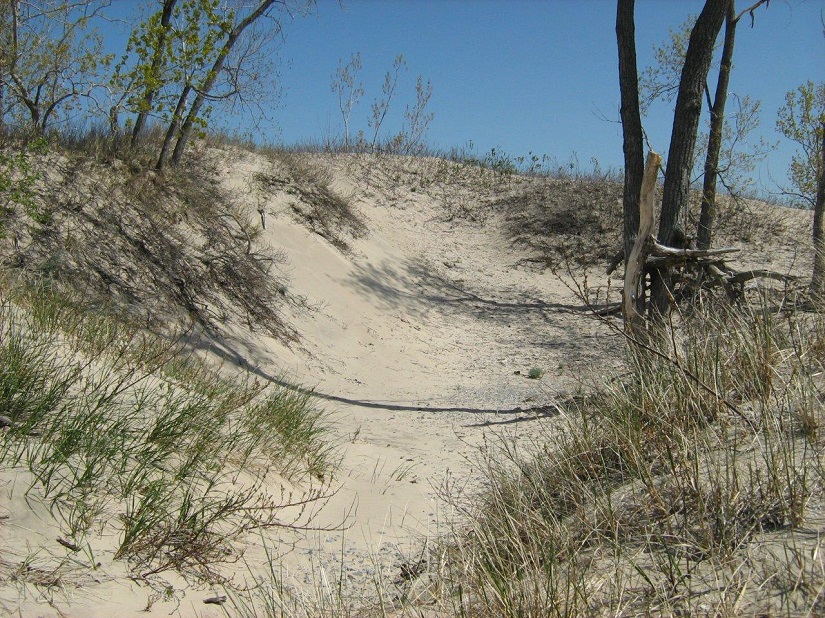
(416, 288)
(214, 344)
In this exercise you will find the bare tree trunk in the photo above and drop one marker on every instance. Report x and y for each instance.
(203, 91)
(818, 277)
(634, 272)
(2, 103)
(686, 115)
(704, 231)
(173, 128)
(632, 138)
(151, 89)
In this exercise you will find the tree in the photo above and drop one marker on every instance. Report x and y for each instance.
(152, 42)
(818, 276)
(707, 215)
(50, 59)
(712, 168)
(348, 90)
(675, 192)
(416, 120)
(631, 125)
(191, 55)
(802, 120)
(204, 92)
(725, 158)
(381, 106)
(165, 53)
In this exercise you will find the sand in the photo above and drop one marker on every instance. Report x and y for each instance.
(418, 340)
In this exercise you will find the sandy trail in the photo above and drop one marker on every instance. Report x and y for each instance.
(417, 342)
(419, 346)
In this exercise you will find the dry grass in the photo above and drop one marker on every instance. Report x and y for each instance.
(690, 485)
(318, 205)
(655, 495)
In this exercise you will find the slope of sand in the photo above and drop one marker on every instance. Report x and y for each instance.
(419, 344)
(417, 340)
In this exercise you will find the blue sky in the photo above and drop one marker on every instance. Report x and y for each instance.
(525, 75)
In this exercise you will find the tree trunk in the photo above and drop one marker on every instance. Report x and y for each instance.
(173, 128)
(151, 90)
(704, 231)
(203, 91)
(634, 272)
(2, 103)
(818, 277)
(686, 115)
(632, 138)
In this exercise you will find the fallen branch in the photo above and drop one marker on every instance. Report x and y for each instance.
(688, 254)
(746, 275)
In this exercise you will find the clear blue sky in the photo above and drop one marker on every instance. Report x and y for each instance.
(525, 75)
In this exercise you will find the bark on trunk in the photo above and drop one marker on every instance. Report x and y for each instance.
(704, 231)
(633, 142)
(173, 128)
(2, 104)
(818, 277)
(683, 137)
(152, 88)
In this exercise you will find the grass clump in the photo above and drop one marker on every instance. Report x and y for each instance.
(117, 434)
(679, 488)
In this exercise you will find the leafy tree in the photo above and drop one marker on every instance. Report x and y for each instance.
(190, 55)
(233, 72)
(660, 81)
(153, 43)
(196, 47)
(802, 120)
(50, 59)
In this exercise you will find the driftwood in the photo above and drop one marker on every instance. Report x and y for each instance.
(661, 254)
(734, 281)
(707, 264)
(632, 300)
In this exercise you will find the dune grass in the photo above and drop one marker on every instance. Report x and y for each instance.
(654, 495)
(121, 434)
(689, 485)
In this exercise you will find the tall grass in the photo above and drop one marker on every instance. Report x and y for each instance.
(657, 495)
